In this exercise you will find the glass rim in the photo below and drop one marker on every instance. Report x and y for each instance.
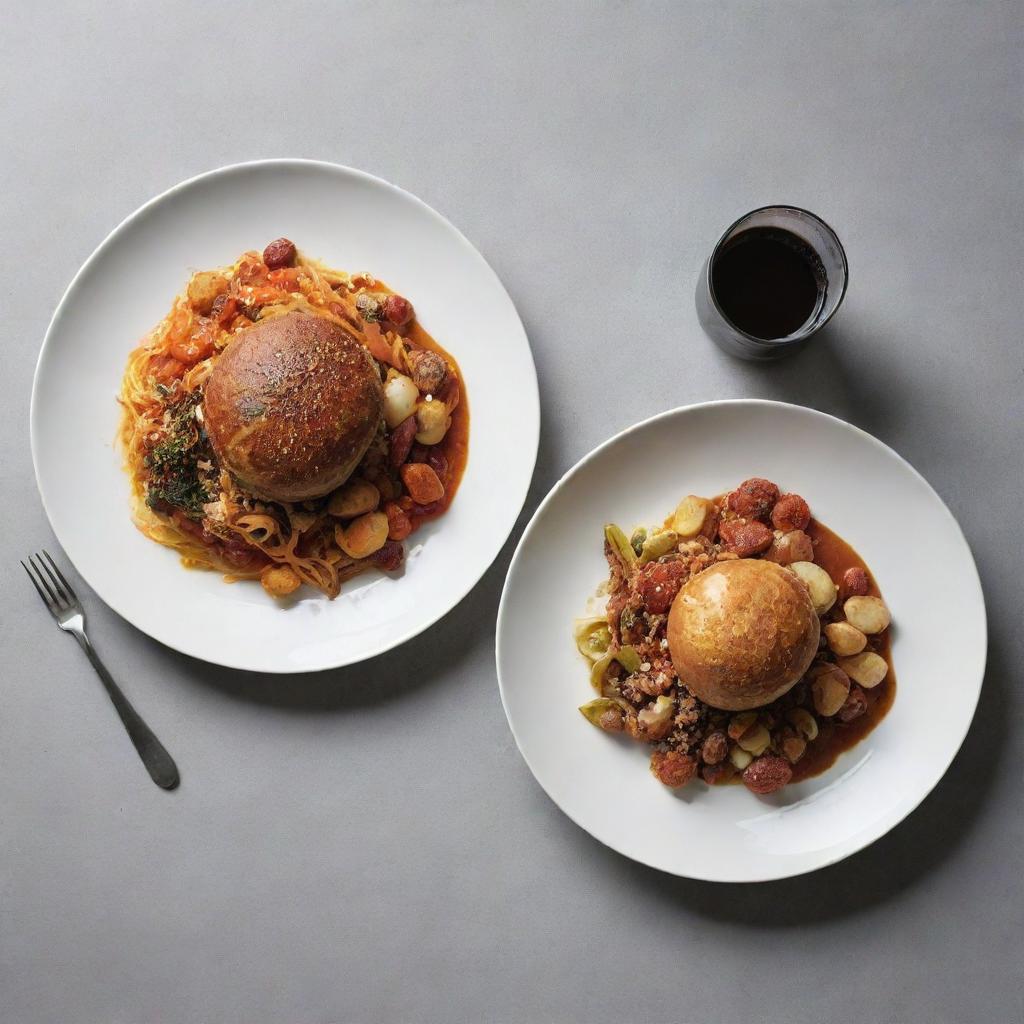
(789, 338)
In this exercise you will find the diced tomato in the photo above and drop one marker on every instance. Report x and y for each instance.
(251, 271)
(166, 368)
(224, 309)
(192, 349)
(378, 346)
(286, 278)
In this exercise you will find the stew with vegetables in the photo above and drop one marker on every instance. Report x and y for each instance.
(834, 699)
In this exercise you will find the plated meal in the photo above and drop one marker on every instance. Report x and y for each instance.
(291, 423)
(282, 475)
(747, 640)
(741, 639)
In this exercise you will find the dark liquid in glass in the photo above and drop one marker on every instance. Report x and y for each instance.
(768, 282)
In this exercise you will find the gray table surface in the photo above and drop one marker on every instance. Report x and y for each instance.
(367, 844)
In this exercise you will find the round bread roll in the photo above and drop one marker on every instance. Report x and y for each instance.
(742, 633)
(291, 407)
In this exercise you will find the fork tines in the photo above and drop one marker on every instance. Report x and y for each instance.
(56, 592)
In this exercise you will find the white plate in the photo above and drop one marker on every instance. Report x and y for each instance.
(854, 484)
(352, 221)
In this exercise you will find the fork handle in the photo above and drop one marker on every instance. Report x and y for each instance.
(159, 764)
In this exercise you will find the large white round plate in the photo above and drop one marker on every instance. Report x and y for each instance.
(352, 221)
(854, 484)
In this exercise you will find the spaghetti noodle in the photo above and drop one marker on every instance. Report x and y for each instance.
(182, 498)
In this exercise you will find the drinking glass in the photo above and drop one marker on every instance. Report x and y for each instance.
(813, 232)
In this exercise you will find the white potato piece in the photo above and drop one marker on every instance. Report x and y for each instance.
(353, 499)
(432, 422)
(755, 740)
(804, 722)
(400, 398)
(867, 668)
(819, 583)
(740, 723)
(830, 686)
(688, 518)
(845, 639)
(280, 580)
(362, 536)
(868, 614)
(740, 758)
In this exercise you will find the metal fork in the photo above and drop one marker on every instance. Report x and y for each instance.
(65, 607)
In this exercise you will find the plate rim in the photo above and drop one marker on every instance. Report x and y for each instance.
(532, 396)
(858, 844)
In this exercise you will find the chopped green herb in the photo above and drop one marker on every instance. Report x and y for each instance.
(182, 490)
(173, 463)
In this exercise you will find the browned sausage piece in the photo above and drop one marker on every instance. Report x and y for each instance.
(745, 537)
(658, 583)
(280, 253)
(791, 513)
(422, 483)
(754, 498)
(389, 557)
(715, 747)
(767, 774)
(429, 371)
(854, 706)
(399, 524)
(398, 310)
(855, 584)
(401, 441)
(673, 768)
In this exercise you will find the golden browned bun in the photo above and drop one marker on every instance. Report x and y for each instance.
(742, 633)
(291, 407)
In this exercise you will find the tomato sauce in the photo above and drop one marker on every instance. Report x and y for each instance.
(835, 556)
(455, 445)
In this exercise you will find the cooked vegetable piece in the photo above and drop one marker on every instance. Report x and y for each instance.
(867, 668)
(626, 656)
(688, 518)
(845, 639)
(432, 422)
(603, 712)
(280, 580)
(354, 498)
(658, 544)
(655, 721)
(400, 398)
(819, 583)
(620, 545)
(593, 637)
(868, 614)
